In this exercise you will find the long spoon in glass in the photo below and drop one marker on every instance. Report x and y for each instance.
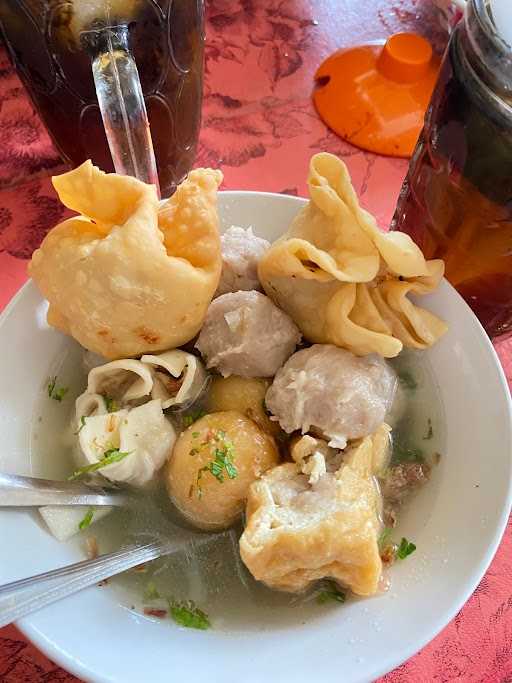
(120, 99)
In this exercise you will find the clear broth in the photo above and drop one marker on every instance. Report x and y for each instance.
(214, 576)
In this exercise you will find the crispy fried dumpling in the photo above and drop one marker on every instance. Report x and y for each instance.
(177, 376)
(143, 433)
(241, 250)
(245, 334)
(332, 392)
(298, 532)
(345, 282)
(125, 277)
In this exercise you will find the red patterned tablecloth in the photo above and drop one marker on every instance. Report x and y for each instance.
(260, 127)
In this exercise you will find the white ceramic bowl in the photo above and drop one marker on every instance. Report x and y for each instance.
(456, 522)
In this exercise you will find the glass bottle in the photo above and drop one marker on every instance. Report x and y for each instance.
(456, 201)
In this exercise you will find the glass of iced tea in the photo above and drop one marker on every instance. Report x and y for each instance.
(456, 201)
(114, 80)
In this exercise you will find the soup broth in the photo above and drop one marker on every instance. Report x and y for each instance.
(213, 576)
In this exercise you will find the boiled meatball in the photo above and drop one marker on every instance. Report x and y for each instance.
(331, 392)
(241, 251)
(213, 464)
(246, 334)
(245, 394)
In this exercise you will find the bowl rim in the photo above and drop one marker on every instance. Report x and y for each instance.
(387, 664)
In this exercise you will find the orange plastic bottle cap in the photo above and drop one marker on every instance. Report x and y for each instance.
(375, 96)
(405, 58)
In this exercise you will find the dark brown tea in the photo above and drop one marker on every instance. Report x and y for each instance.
(456, 202)
(46, 42)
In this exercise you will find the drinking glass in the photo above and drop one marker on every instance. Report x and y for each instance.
(115, 81)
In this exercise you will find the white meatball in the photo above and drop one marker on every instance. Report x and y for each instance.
(245, 334)
(332, 392)
(241, 251)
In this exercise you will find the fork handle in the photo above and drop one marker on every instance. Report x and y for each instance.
(19, 598)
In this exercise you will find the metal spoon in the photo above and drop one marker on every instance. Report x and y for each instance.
(19, 598)
(17, 491)
(22, 597)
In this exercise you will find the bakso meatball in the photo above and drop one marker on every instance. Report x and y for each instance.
(331, 392)
(245, 394)
(241, 251)
(213, 464)
(245, 334)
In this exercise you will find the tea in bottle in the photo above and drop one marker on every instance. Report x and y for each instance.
(456, 202)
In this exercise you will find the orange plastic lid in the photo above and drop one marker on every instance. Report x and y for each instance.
(375, 96)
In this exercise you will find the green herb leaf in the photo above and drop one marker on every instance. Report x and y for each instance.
(56, 393)
(430, 431)
(231, 470)
(110, 456)
(195, 435)
(185, 613)
(385, 537)
(405, 549)
(407, 380)
(193, 417)
(403, 454)
(59, 393)
(330, 593)
(111, 404)
(82, 425)
(87, 519)
(223, 462)
(51, 385)
(115, 454)
(151, 592)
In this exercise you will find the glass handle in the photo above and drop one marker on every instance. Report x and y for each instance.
(121, 103)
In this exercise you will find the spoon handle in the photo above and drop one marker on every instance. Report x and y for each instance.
(19, 598)
(17, 491)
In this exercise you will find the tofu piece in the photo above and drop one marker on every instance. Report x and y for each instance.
(300, 530)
